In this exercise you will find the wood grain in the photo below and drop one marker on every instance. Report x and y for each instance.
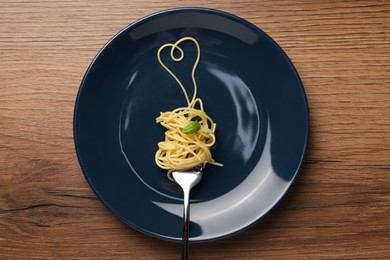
(340, 204)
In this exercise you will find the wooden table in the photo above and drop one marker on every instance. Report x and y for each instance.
(338, 208)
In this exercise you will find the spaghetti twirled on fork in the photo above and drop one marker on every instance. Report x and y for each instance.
(183, 150)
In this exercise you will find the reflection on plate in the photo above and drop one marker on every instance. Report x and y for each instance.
(250, 89)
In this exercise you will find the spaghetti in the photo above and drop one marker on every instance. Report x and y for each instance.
(183, 150)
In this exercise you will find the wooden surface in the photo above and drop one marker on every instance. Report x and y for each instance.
(339, 208)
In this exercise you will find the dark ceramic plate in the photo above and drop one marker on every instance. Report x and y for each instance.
(248, 86)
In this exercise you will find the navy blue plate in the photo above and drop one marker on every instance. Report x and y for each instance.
(248, 86)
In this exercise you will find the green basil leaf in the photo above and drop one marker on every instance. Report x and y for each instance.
(192, 127)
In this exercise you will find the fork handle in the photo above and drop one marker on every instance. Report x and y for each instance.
(186, 225)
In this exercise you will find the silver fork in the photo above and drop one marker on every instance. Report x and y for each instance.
(187, 180)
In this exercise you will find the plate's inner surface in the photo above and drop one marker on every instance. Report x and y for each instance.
(249, 88)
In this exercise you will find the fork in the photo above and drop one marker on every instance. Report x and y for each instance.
(187, 180)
